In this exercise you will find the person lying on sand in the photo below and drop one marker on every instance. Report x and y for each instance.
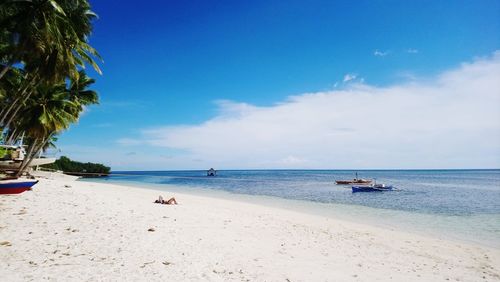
(170, 201)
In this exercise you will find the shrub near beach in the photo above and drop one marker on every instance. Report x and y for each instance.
(78, 168)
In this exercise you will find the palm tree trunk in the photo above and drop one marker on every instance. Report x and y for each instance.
(19, 107)
(5, 113)
(13, 137)
(47, 139)
(5, 69)
(28, 158)
(10, 137)
(33, 154)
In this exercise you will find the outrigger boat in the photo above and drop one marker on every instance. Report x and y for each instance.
(12, 156)
(353, 181)
(16, 186)
(372, 188)
(211, 172)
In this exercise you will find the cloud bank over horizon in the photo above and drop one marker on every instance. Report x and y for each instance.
(450, 121)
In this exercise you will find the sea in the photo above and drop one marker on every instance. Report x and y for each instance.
(459, 205)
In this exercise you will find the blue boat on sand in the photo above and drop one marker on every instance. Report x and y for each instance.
(372, 188)
(16, 186)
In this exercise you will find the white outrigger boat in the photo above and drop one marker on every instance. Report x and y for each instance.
(12, 156)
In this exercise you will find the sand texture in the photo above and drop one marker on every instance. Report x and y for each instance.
(81, 231)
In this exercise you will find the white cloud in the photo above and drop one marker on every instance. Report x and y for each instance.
(380, 53)
(348, 77)
(407, 75)
(450, 121)
(412, 51)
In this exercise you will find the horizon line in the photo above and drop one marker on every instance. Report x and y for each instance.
(318, 169)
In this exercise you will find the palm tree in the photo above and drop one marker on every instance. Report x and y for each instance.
(30, 30)
(52, 46)
(11, 81)
(43, 44)
(48, 112)
(80, 94)
(50, 37)
(9, 86)
(52, 110)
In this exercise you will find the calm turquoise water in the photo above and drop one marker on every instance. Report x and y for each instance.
(463, 204)
(450, 192)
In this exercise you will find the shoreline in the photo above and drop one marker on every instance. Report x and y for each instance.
(443, 226)
(95, 230)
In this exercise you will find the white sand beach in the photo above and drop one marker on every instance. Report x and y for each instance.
(82, 231)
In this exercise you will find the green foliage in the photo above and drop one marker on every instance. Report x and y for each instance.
(3, 152)
(69, 166)
(44, 49)
(50, 37)
(43, 53)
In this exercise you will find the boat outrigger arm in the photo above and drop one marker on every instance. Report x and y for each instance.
(13, 157)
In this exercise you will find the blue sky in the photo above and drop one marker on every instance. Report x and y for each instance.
(172, 64)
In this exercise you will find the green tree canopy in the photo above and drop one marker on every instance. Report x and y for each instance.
(73, 167)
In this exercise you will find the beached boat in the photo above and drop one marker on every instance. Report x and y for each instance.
(16, 164)
(353, 181)
(12, 157)
(371, 188)
(16, 186)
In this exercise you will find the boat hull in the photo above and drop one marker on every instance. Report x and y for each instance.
(15, 187)
(16, 164)
(356, 189)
